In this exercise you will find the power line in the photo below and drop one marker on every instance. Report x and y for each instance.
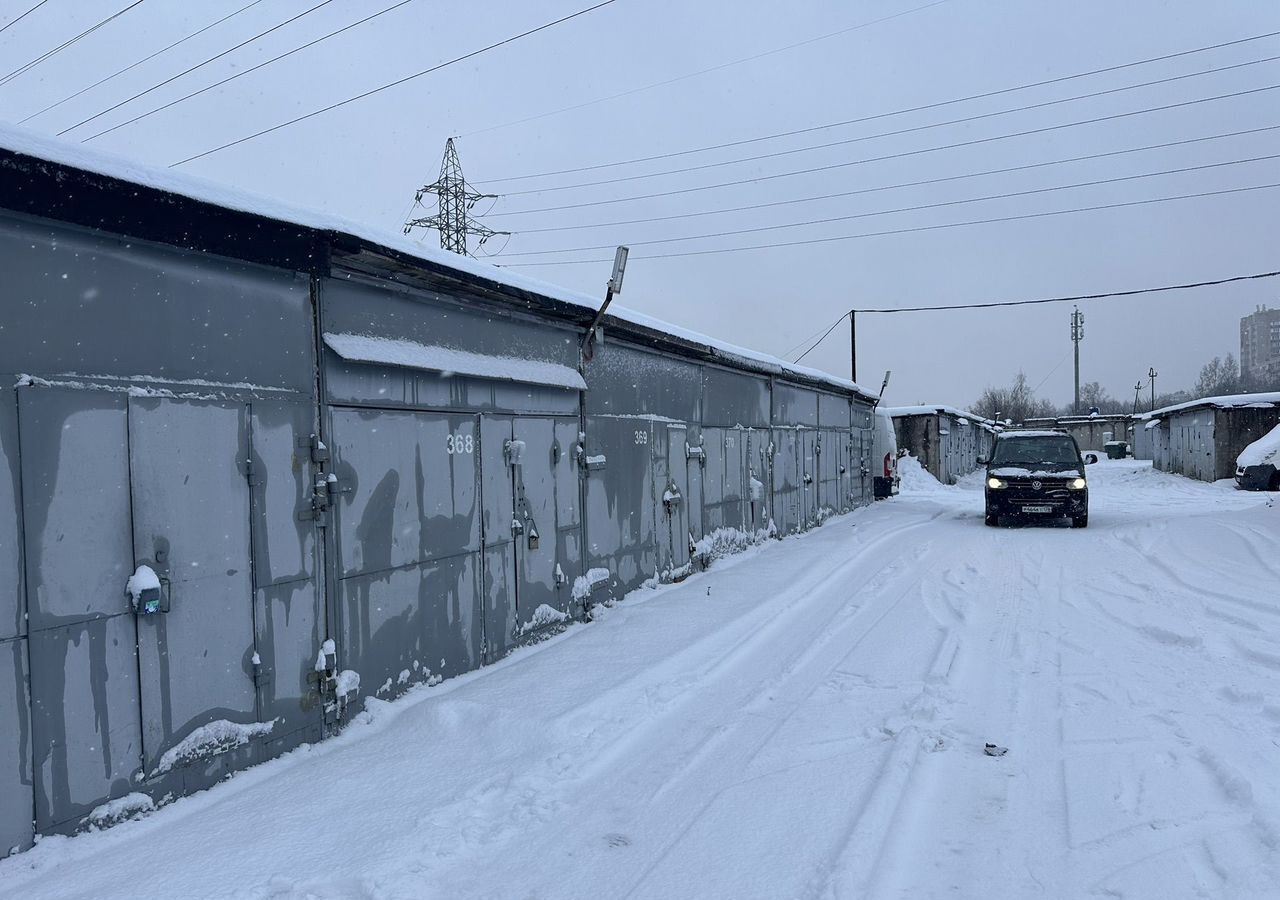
(801, 343)
(913, 230)
(260, 65)
(904, 209)
(913, 129)
(821, 339)
(65, 44)
(1057, 366)
(1073, 298)
(200, 65)
(890, 156)
(902, 184)
(13, 22)
(896, 112)
(396, 83)
(679, 78)
(132, 66)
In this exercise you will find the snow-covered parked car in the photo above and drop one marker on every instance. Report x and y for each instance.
(1037, 474)
(1258, 465)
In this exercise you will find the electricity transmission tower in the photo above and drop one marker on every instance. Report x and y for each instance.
(453, 205)
(1077, 335)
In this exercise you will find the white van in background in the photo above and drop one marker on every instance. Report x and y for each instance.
(884, 457)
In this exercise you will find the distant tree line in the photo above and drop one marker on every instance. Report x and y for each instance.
(1019, 402)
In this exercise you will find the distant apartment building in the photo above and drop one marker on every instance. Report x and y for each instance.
(1260, 345)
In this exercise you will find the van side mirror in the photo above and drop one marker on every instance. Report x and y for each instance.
(982, 459)
(1090, 458)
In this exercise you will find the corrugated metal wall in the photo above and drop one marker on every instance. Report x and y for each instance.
(159, 428)
(189, 413)
(947, 446)
(1204, 442)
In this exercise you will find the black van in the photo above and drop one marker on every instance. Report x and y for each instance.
(1037, 474)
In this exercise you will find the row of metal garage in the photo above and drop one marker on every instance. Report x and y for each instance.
(255, 464)
(1203, 438)
(948, 442)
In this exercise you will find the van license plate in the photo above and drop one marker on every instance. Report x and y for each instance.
(1037, 509)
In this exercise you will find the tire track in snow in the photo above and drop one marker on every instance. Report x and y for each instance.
(799, 680)
(703, 659)
(745, 658)
(1004, 692)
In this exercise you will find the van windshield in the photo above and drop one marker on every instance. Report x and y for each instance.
(1046, 450)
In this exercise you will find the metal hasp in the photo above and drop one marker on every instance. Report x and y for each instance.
(614, 287)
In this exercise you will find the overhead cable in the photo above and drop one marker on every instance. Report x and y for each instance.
(13, 22)
(389, 85)
(247, 71)
(686, 77)
(131, 66)
(191, 69)
(903, 184)
(905, 209)
(49, 54)
(901, 131)
(884, 115)
(1072, 298)
(900, 155)
(913, 230)
(815, 344)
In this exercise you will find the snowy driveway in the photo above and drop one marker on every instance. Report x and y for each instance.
(807, 720)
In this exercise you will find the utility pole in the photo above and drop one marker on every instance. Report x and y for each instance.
(853, 346)
(1152, 373)
(1077, 335)
(453, 203)
(1137, 389)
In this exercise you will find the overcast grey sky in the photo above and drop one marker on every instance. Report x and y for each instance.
(365, 160)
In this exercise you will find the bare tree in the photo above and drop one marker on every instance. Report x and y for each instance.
(1218, 377)
(1093, 394)
(1017, 402)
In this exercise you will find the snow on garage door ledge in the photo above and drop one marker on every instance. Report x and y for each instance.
(363, 348)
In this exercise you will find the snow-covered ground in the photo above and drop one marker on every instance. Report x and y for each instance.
(807, 720)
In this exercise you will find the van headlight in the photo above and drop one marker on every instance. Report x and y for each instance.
(1077, 484)
(996, 483)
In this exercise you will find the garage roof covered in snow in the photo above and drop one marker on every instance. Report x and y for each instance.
(925, 410)
(69, 183)
(1228, 401)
